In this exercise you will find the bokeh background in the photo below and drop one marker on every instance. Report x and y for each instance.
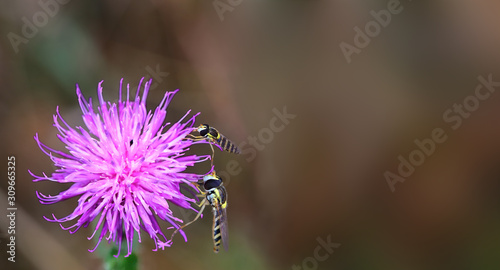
(322, 176)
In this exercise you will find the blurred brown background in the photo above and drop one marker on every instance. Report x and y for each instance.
(323, 174)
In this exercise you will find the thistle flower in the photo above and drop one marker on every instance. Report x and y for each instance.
(126, 168)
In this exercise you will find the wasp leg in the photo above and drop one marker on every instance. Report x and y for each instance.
(200, 194)
(196, 138)
(213, 153)
(202, 204)
(197, 187)
(201, 138)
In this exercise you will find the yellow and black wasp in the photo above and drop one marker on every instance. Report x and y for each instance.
(214, 195)
(214, 136)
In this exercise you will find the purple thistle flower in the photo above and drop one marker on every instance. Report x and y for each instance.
(126, 168)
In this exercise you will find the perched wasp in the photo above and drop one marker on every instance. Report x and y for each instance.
(212, 135)
(214, 195)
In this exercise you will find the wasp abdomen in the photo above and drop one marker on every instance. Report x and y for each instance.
(227, 145)
(217, 235)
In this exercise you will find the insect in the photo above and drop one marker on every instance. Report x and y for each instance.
(214, 195)
(213, 135)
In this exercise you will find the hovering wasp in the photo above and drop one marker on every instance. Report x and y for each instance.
(214, 195)
(214, 136)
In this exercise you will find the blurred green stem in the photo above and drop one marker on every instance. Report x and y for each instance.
(120, 263)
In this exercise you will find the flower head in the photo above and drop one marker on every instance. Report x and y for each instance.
(126, 168)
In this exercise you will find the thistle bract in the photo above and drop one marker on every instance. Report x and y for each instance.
(126, 167)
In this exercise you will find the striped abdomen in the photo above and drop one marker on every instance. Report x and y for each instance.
(217, 233)
(227, 144)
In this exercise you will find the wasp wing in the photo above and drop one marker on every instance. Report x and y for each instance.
(223, 227)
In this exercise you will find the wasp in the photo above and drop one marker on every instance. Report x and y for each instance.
(215, 195)
(214, 136)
